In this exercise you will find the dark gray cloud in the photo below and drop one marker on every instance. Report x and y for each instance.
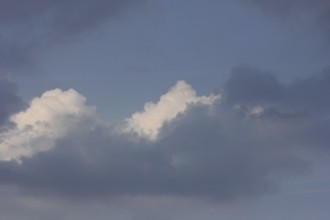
(305, 12)
(10, 101)
(27, 25)
(261, 131)
(302, 104)
(249, 86)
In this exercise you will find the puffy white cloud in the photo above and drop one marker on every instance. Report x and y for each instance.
(49, 117)
(148, 122)
(56, 113)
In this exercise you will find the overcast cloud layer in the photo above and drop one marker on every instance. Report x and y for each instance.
(242, 145)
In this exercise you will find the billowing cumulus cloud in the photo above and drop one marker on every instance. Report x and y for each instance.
(49, 117)
(258, 133)
(174, 102)
(27, 25)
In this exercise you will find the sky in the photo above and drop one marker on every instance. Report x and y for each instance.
(164, 109)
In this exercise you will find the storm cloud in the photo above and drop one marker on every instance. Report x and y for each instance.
(245, 144)
(29, 25)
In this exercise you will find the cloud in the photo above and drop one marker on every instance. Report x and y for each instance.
(174, 102)
(248, 87)
(302, 12)
(260, 132)
(48, 118)
(10, 101)
(43, 23)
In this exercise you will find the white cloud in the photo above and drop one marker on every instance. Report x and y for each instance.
(57, 113)
(148, 122)
(48, 118)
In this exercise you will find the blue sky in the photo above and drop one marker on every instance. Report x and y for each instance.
(150, 48)
(164, 109)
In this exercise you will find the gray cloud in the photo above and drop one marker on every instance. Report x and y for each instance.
(249, 86)
(10, 101)
(302, 104)
(229, 152)
(27, 25)
(311, 12)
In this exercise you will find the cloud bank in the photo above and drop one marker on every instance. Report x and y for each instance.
(244, 144)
